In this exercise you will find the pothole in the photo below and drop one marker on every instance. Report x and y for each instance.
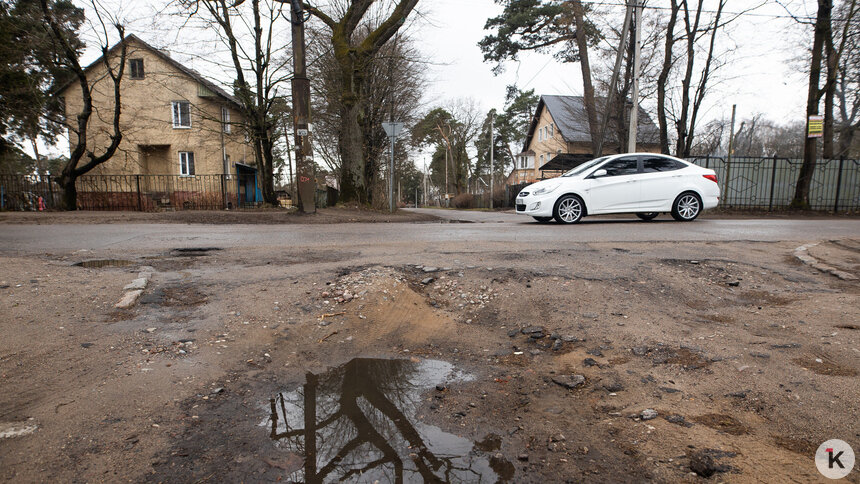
(100, 263)
(822, 366)
(724, 423)
(358, 423)
(194, 251)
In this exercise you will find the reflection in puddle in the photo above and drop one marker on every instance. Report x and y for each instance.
(357, 423)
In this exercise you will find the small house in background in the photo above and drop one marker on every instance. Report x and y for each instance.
(184, 143)
(559, 139)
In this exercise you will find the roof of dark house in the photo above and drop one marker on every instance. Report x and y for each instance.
(571, 121)
(565, 161)
(188, 71)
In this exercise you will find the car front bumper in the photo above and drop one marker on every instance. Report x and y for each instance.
(536, 205)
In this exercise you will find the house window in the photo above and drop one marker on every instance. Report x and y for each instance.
(181, 114)
(225, 119)
(136, 68)
(186, 163)
(541, 160)
(540, 134)
(551, 129)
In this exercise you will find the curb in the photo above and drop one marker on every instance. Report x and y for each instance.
(802, 254)
(135, 288)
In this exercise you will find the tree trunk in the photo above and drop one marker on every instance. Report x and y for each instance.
(587, 86)
(703, 84)
(69, 198)
(664, 77)
(832, 57)
(353, 181)
(691, 31)
(804, 178)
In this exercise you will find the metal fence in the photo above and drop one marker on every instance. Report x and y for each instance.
(123, 192)
(769, 183)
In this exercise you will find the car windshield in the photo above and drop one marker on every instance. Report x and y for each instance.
(581, 168)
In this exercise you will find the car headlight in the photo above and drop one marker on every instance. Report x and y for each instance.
(545, 189)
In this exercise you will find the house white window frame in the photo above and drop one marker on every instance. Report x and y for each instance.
(186, 169)
(176, 111)
(225, 119)
(551, 130)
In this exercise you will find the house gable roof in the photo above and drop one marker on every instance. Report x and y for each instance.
(571, 121)
(194, 75)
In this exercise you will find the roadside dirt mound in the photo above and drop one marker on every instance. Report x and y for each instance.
(391, 307)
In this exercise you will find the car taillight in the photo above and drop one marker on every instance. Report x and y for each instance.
(713, 178)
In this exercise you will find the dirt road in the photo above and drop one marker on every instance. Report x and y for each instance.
(721, 361)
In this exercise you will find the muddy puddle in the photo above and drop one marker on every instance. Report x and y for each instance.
(99, 263)
(361, 422)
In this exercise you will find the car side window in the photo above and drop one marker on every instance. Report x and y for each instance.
(622, 166)
(656, 164)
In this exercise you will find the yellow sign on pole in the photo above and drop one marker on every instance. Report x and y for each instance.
(815, 127)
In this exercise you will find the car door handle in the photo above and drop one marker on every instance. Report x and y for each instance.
(631, 181)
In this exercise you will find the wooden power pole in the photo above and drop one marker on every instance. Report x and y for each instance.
(301, 87)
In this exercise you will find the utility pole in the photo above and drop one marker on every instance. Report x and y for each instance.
(425, 180)
(446, 175)
(637, 67)
(301, 87)
(614, 82)
(729, 156)
(492, 154)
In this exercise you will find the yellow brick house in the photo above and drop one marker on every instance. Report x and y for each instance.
(182, 134)
(559, 139)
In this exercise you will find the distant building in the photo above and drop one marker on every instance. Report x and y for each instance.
(174, 122)
(559, 139)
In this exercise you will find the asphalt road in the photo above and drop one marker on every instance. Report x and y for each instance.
(459, 227)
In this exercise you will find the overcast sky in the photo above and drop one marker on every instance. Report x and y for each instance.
(761, 78)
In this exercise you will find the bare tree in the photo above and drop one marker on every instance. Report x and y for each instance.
(392, 87)
(83, 157)
(248, 29)
(353, 54)
(451, 130)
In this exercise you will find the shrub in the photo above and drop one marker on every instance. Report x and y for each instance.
(464, 200)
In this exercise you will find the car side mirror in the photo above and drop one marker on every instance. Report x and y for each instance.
(599, 173)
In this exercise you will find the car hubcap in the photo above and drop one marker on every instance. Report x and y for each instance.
(570, 209)
(688, 206)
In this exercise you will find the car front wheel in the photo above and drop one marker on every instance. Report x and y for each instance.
(569, 209)
(647, 216)
(687, 207)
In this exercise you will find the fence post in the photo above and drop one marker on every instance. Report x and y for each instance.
(772, 184)
(707, 161)
(51, 190)
(139, 201)
(223, 192)
(838, 184)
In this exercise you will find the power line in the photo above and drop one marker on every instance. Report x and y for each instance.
(655, 7)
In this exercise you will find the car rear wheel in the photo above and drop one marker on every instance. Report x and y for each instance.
(687, 207)
(543, 220)
(647, 216)
(569, 209)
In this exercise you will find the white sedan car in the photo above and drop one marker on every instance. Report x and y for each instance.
(642, 183)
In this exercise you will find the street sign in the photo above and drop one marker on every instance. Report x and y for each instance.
(816, 127)
(392, 130)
